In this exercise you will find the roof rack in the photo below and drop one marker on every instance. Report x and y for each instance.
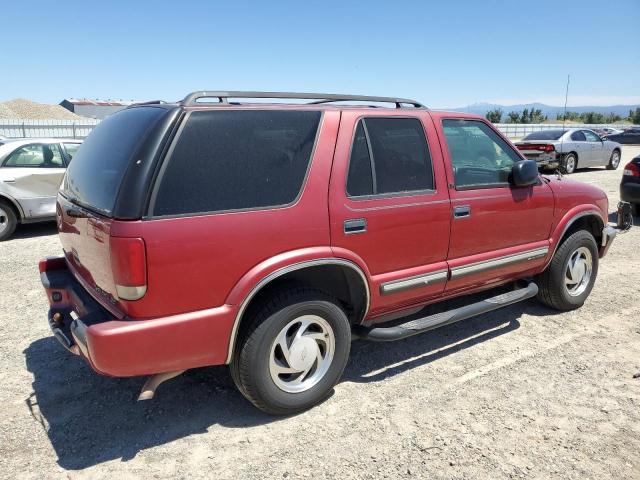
(223, 97)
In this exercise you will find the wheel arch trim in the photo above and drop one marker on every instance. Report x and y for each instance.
(283, 271)
(571, 220)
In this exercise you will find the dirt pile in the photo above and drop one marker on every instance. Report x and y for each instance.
(28, 110)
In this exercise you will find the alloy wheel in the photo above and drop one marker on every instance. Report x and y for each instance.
(578, 271)
(301, 354)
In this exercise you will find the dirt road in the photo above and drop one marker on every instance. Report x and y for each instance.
(523, 392)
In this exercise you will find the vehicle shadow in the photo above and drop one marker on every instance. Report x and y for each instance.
(32, 230)
(91, 419)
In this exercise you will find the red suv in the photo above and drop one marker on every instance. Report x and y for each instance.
(268, 236)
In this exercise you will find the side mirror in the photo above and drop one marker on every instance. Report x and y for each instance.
(524, 173)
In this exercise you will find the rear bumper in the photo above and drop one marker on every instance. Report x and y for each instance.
(128, 347)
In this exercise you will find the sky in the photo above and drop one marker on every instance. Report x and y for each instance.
(442, 53)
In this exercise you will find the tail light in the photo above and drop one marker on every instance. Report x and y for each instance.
(129, 266)
(631, 169)
(539, 147)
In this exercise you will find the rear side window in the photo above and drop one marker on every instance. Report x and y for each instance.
(578, 136)
(389, 155)
(36, 155)
(237, 159)
(96, 172)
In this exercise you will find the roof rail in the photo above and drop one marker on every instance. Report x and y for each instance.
(223, 97)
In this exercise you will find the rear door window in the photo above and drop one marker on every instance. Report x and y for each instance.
(98, 168)
(237, 160)
(389, 156)
(71, 149)
(36, 156)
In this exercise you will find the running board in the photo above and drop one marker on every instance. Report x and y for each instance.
(420, 325)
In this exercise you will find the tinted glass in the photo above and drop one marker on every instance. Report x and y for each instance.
(400, 155)
(545, 135)
(237, 159)
(479, 156)
(359, 179)
(578, 137)
(36, 155)
(96, 172)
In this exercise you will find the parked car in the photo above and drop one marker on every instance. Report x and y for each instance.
(610, 131)
(570, 149)
(630, 184)
(629, 136)
(31, 170)
(268, 236)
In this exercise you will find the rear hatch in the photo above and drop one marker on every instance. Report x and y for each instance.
(106, 184)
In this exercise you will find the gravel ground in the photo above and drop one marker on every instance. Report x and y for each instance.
(523, 392)
(26, 109)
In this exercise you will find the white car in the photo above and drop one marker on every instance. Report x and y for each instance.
(570, 149)
(31, 170)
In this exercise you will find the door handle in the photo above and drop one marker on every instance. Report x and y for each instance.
(9, 180)
(463, 211)
(355, 225)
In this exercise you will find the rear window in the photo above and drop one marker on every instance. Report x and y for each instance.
(96, 172)
(236, 160)
(545, 135)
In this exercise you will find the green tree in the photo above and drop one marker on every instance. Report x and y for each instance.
(513, 117)
(634, 116)
(494, 116)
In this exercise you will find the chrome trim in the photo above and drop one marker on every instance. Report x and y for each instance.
(283, 271)
(478, 267)
(397, 286)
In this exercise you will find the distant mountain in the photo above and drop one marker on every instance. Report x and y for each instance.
(548, 110)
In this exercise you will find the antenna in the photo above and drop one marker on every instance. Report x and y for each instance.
(566, 96)
(564, 119)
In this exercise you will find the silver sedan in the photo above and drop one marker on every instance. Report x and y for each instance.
(570, 149)
(31, 171)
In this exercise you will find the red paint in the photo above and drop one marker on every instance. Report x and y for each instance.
(199, 270)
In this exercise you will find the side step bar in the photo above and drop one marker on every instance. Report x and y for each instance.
(420, 325)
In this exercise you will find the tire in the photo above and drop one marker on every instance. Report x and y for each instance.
(614, 161)
(635, 209)
(259, 358)
(569, 164)
(554, 291)
(8, 220)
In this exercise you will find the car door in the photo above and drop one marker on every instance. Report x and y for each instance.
(498, 230)
(581, 147)
(389, 205)
(36, 171)
(596, 150)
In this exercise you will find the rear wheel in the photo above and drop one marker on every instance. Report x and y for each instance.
(569, 278)
(614, 161)
(293, 352)
(569, 163)
(8, 221)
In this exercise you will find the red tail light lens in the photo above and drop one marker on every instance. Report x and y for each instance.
(129, 267)
(538, 147)
(631, 169)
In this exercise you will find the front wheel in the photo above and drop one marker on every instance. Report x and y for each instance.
(569, 278)
(293, 352)
(8, 221)
(614, 161)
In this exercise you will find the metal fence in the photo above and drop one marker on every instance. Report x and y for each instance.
(16, 128)
(519, 130)
(19, 128)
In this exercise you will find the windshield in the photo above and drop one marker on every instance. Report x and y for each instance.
(545, 135)
(96, 172)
